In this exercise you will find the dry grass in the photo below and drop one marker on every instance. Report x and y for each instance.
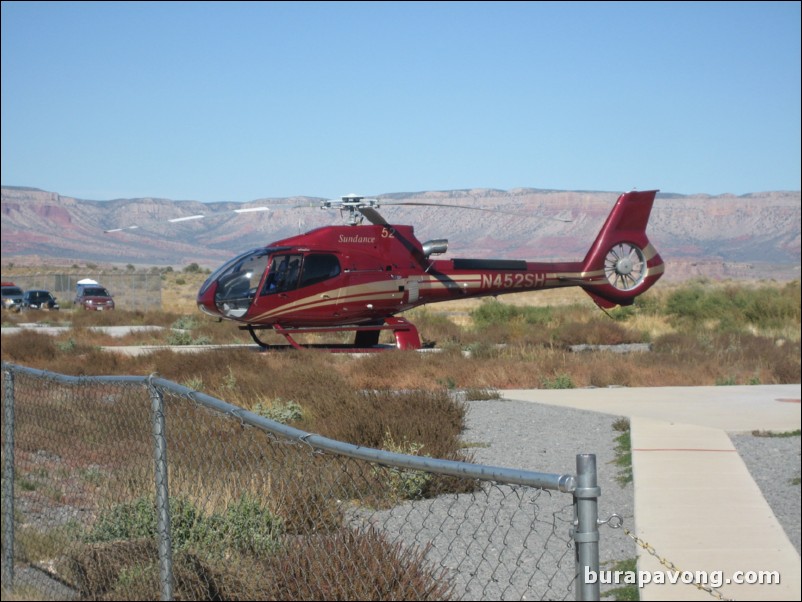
(340, 565)
(396, 400)
(179, 291)
(243, 505)
(520, 349)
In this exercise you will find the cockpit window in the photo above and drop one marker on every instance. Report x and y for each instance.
(288, 272)
(283, 275)
(319, 267)
(237, 282)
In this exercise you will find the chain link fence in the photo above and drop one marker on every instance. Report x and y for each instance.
(137, 291)
(135, 488)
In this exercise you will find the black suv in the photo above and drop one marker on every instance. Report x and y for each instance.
(39, 299)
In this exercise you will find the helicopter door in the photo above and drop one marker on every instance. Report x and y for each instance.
(292, 278)
(283, 275)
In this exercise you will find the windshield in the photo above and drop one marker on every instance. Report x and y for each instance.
(12, 291)
(95, 292)
(237, 282)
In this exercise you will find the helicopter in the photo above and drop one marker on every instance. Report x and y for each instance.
(358, 277)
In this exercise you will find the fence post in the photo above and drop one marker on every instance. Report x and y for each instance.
(162, 492)
(8, 482)
(586, 528)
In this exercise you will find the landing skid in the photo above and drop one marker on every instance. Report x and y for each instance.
(366, 339)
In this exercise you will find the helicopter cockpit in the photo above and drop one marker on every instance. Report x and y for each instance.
(238, 281)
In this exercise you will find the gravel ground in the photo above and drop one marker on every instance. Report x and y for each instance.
(545, 438)
(508, 542)
(774, 463)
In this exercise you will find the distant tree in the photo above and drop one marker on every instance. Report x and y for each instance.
(130, 267)
(192, 268)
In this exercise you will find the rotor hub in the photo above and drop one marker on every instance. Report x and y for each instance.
(624, 266)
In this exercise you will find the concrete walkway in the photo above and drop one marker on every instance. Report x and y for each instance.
(696, 504)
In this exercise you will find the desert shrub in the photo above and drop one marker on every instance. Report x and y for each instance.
(769, 308)
(97, 569)
(353, 565)
(623, 451)
(185, 323)
(179, 337)
(245, 526)
(493, 313)
(732, 307)
(435, 327)
(651, 303)
(280, 411)
(130, 570)
(481, 394)
(692, 303)
(404, 484)
(483, 350)
(705, 358)
(431, 418)
(623, 313)
(341, 565)
(597, 331)
(182, 332)
(127, 521)
(560, 381)
(31, 348)
(183, 337)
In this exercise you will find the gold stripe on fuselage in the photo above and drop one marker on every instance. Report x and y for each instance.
(370, 292)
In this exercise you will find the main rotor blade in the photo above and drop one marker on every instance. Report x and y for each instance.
(515, 213)
(373, 216)
(188, 218)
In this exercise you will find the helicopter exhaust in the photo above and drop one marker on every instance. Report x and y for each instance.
(437, 246)
(622, 263)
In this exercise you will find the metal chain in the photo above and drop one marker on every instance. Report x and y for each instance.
(671, 566)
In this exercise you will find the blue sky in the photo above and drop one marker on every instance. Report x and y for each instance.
(237, 101)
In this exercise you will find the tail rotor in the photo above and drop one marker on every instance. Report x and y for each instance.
(622, 263)
(625, 266)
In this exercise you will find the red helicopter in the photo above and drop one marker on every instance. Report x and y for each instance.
(358, 277)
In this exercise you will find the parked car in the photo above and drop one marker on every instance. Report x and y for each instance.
(95, 298)
(12, 296)
(39, 299)
(84, 283)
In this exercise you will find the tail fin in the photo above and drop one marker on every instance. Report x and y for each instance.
(622, 263)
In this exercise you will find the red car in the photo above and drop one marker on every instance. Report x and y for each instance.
(95, 298)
